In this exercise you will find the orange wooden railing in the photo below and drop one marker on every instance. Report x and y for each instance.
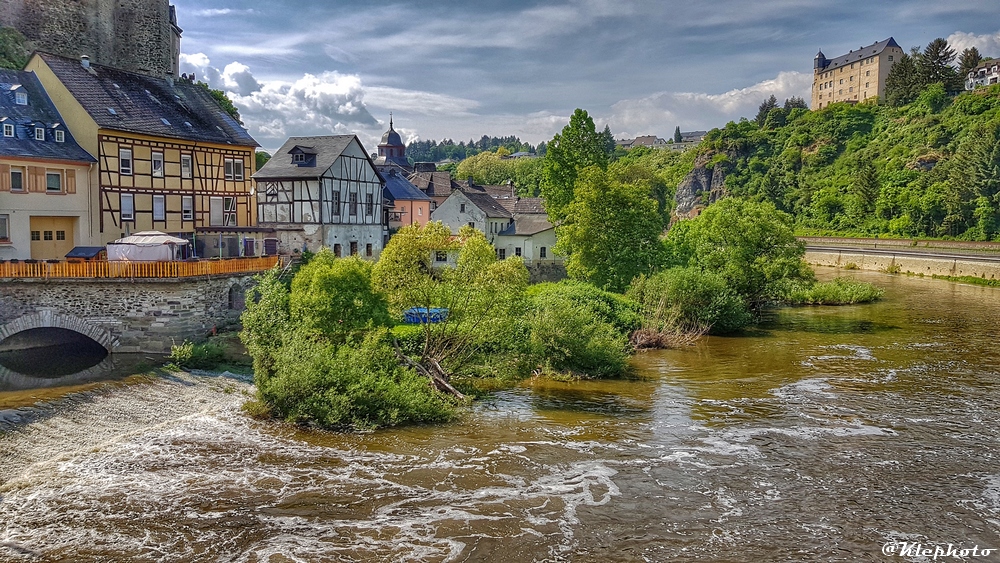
(103, 269)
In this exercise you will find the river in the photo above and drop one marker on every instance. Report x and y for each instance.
(820, 437)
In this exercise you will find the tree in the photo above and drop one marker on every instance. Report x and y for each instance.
(261, 158)
(866, 187)
(333, 298)
(677, 134)
(750, 244)
(969, 60)
(795, 102)
(935, 65)
(903, 84)
(611, 231)
(14, 52)
(765, 108)
(482, 295)
(265, 321)
(578, 146)
(224, 102)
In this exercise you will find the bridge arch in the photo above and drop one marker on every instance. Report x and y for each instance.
(53, 319)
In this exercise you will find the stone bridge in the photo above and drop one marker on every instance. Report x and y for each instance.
(123, 315)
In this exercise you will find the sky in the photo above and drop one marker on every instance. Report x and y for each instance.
(460, 69)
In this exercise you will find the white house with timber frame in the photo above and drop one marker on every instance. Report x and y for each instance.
(322, 191)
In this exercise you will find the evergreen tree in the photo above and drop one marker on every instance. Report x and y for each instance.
(677, 135)
(795, 102)
(969, 60)
(764, 109)
(578, 146)
(903, 83)
(935, 65)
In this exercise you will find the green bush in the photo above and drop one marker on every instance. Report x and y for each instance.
(840, 291)
(689, 300)
(612, 308)
(207, 355)
(359, 386)
(567, 337)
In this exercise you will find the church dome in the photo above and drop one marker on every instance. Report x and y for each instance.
(391, 138)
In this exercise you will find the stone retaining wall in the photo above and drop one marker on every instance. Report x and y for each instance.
(889, 262)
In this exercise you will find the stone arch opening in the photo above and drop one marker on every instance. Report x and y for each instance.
(237, 297)
(47, 319)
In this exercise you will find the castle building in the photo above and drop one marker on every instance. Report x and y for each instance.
(986, 73)
(135, 35)
(854, 77)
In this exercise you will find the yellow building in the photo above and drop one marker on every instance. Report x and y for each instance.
(169, 158)
(854, 77)
(44, 175)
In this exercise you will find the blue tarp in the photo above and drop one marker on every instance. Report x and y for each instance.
(422, 315)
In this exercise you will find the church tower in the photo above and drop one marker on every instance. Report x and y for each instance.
(392, 152)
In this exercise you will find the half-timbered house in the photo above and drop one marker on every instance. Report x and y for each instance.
(322, 191)
(169, 158)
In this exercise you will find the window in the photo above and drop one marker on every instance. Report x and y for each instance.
(36, 235)
(60, 136)
(46, 235)
(17, 179)
(39, 134)
(222, 211)
(337, 250)
(60, 235)
(125, 162)
(127, 207)
(440, 256)
(298, 157)
(159, 208)
(53, 182)
(353, 203)
(229, 169)
(472, 224)
(4, 228)
(21, 98)
(868, 73)
(186, 167)
(369, 204)
(335, 203)
(230, 205)
(890, 58)
(461, 208)
(501, 253)
(158, 164)
(354, 248)
(369, 251)
(8, 130)
(517, 251)
(420, 211)
(187, 208)
(238, 170)
(541, 252)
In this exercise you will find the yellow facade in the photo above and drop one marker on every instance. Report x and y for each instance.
(861, 78)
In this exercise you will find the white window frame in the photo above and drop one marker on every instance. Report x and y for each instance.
(187, 167)
(229, 165)
(541, 252)
(39, 133)
(125, 162)
(21, 98)
(127, 210)
(216, 211)
(298, 157)
(229, 208)
(159, 207)
(8, 129)
(60, 136)
(20, 172)
(58, 176)
(157, 158)
(238, 170)
(369, 205)
(187, 208)
(5, 227)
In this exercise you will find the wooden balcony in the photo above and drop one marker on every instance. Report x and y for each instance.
(146, 270)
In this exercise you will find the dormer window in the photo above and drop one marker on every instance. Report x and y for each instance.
(8, 130)
(60, 136)
(298, 157)
(21, 98)
(39, 133)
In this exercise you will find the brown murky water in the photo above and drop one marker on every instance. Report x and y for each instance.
(821, 437)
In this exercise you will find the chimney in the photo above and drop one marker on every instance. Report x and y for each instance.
(510, 184)
(84, 61)
(470, 182)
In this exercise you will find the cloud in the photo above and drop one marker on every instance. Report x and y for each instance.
(213, 12)
(424, 103)
(988, 44)
(659, 113)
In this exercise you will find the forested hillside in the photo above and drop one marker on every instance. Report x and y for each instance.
(930, 168)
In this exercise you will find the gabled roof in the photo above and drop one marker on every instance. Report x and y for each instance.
(327, 149)
(487, 204)
(516, 205)
(39, 112)
(126, 101)
(397, 187)
(434, 184)
(862, 53)
(527, 224)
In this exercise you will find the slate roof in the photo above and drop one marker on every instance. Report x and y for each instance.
(862, 53)
(40, 112)
(398, 187)
(327, 149)
(534, 205)
(126, 101)
(485, 201)
(527, 224)
(434, 184)
(498, 192)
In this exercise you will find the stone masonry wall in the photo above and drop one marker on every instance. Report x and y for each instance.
(139, 316)
(890, 262)
(134, 35)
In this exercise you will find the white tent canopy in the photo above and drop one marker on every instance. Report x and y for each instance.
(146, 246)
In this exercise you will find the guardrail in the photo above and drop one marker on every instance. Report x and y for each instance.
(148, 270)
